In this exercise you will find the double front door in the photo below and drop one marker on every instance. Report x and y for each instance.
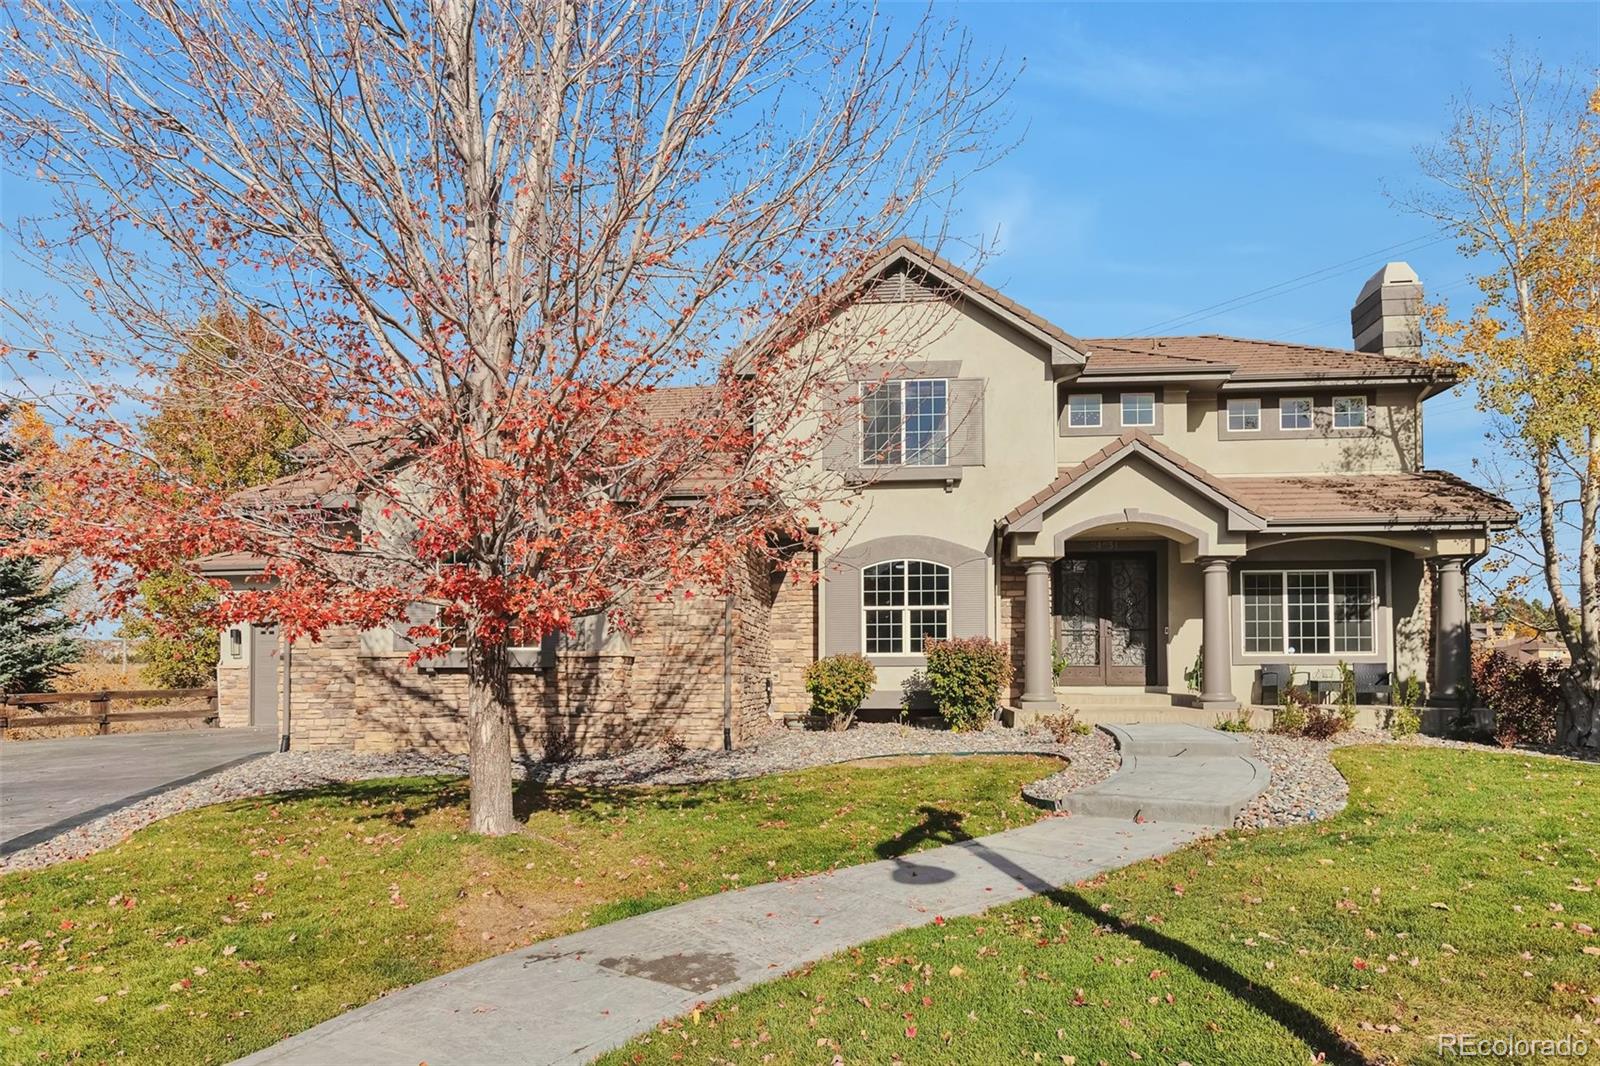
(1105, 607)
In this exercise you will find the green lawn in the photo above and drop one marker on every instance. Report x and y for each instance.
(1458, 893)
(214, 933)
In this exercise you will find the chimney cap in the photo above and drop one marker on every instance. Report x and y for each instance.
(1398, 273)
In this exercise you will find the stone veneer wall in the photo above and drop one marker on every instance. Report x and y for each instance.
(666, 689)
(793, 633)
(1009, 620)
(233, 696)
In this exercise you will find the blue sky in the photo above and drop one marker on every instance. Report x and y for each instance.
(1178, 156)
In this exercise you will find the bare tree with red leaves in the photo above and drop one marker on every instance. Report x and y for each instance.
(492, 231)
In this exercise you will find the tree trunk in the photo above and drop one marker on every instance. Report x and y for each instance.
(489, 738)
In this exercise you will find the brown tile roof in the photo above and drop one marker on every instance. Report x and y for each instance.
(1110, 451)
(1250, 358)
(969, 280)
(324, 481)
(1431, 496)
(1427, 496)
(230, 562)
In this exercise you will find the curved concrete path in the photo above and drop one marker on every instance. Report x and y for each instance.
(569, 999)
(1175, 773)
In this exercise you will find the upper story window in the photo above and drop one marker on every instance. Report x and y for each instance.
(1083, 409)
(1294, 412)
(1349, 412)
(904, 602)
(1309, 612)
(1244, 414)
(1139, 409)
(906, 422)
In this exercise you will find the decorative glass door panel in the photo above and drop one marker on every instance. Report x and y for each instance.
(1106, 631)
(1128, 620)
(1079, 645)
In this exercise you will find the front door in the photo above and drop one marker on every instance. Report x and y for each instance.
(1107, 618)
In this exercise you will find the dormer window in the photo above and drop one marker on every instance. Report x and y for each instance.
(1244, 415)
(1083, 410)
(1138, 409)
(1294, 412)
(906, 423)
(1349, 412)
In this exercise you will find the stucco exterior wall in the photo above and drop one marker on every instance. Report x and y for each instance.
(1190, 422)
(1019, 405)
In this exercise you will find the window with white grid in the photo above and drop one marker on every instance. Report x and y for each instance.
(1349, 412)
(1309, 612)
(1138, 409)
(1294, 412)
(906, 423)
(904, 602)
(1244, 415)
(1083, 410)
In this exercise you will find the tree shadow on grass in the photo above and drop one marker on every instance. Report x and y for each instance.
(1305, 1025)
(938, 826)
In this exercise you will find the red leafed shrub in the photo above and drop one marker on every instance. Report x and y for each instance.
(1524, 696)
(965, 678)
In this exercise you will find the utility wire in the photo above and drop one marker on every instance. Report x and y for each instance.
(1281, 288)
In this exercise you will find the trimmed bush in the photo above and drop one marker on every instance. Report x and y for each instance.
(965, 678)
(1525, 698)
(838, 684)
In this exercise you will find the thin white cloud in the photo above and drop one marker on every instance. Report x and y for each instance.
(1151, 74)
(1362, 136)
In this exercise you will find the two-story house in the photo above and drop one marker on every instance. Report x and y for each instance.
(1132, 515)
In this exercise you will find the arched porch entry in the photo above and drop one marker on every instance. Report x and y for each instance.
(1126, 581)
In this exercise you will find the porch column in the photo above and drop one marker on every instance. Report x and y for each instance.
(1217, 656)
(1450, 635)
(1038, 687)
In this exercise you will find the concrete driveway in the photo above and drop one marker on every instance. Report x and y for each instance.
(50, 786)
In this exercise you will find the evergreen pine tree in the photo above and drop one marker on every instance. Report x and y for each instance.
(36, 644)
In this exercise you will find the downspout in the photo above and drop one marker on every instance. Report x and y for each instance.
(727, 672)
(286, 662)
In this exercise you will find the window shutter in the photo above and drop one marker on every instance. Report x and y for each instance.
(841, 606)
(966, 422)
(840, 447)
(969, 586)
(417, 614)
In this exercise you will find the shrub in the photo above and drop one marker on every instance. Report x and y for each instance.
(1064, 726)
(1195, 675)
(1525, 698)
(1404, 717)
(838, 684)
(1290, 717)
(1323, 721)
(1237, 722)
(965, 678)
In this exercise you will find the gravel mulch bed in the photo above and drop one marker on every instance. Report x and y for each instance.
(1307, 788)
(1091, 758)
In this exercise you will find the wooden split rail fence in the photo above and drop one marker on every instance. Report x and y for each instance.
(100, 713)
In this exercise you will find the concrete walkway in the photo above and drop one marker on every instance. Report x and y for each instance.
(572, 998)
(1175, 773)
(50, 786)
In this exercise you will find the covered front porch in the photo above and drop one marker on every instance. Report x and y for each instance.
(1143, 590)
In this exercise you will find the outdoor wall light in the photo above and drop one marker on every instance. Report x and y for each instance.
(235, 643)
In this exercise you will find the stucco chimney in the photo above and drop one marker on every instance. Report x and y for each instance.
(1387, 317)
